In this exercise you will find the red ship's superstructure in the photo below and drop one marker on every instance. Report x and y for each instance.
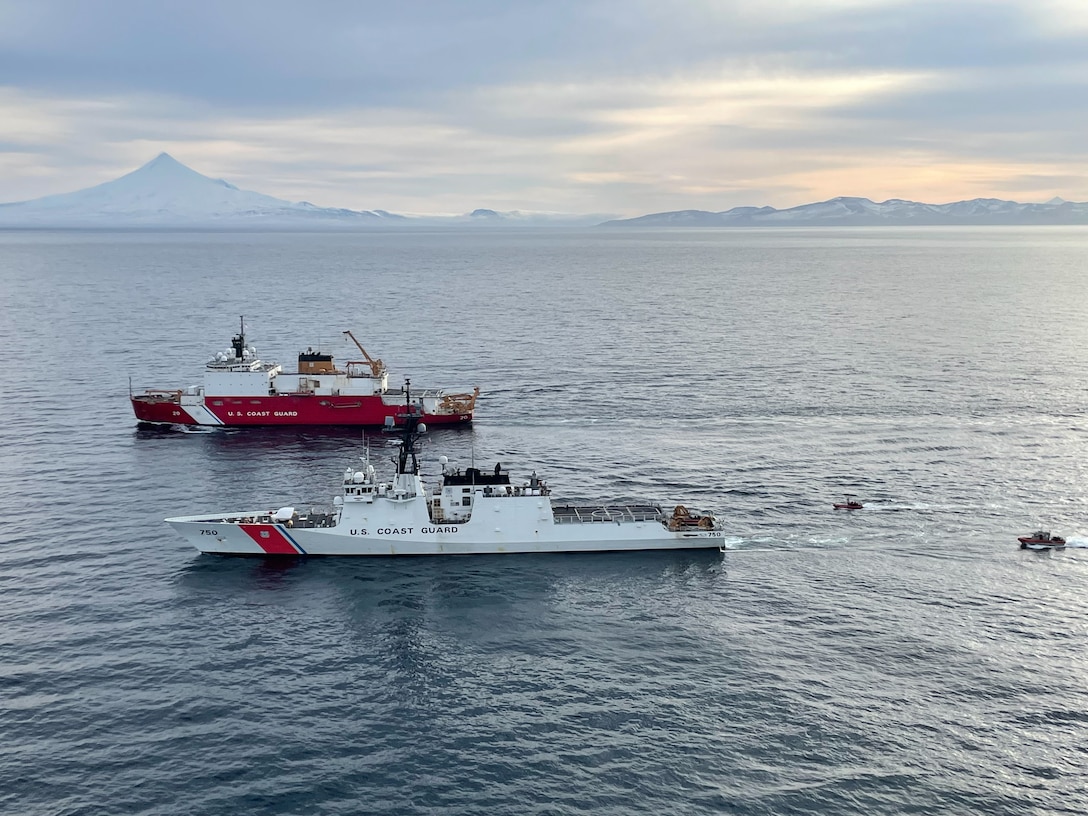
(241, 389)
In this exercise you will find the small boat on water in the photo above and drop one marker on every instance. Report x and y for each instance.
(849, 504)
(1041, 540)
(241, 389)
(471, 512)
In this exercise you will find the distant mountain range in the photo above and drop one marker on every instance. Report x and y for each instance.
(164, 193)
(861, 212)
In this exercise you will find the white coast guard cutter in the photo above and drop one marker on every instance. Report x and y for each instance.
(472, 512)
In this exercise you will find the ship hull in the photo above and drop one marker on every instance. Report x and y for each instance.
(286, 409)
(218, 537)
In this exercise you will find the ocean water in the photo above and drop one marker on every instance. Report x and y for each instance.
(904, 659)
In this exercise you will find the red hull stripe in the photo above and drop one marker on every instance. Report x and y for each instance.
(270, 539)
(291, 538)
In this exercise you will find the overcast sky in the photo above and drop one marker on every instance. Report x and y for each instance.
(577, 106)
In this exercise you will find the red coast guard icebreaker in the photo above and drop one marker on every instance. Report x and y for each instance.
(241, 389)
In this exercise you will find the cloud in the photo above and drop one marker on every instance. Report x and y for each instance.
(600, 105)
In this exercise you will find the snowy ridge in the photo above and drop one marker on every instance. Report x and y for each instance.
(514, 218)
(855, 212)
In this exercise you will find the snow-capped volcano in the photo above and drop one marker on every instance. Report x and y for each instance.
(164, 192)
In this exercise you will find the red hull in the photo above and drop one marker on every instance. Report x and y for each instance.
(1045, 542)
(285, 409)
(156, 409)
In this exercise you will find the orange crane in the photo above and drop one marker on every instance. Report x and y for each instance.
(377, 367)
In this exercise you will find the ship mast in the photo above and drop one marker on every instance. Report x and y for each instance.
(239, 342)
(412, 429)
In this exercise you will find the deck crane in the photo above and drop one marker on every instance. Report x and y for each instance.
(377, 367)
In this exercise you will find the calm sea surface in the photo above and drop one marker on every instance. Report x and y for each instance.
(908, 658)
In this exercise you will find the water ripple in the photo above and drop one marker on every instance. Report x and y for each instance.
(907, 658)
